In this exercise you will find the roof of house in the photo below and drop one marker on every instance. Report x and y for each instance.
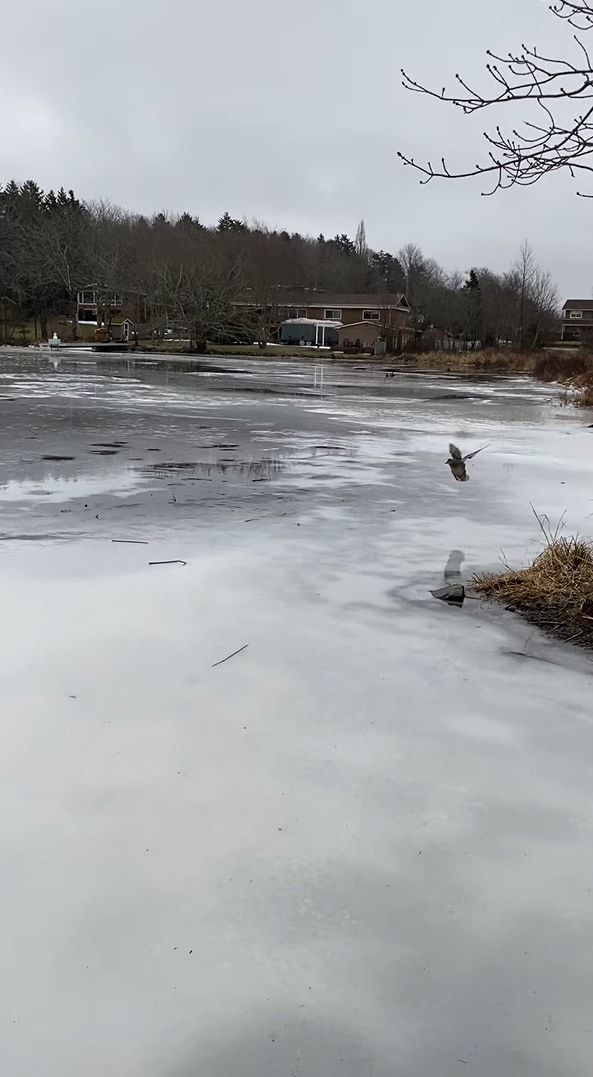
(332, 300)
(367, 321)
(342, 300)
(578, 304)
(331, 322)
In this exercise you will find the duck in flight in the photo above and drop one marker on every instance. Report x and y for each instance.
(457, 462)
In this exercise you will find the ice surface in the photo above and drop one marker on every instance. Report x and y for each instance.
(361, 847)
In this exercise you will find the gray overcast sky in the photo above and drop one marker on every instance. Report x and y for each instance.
(289, 113)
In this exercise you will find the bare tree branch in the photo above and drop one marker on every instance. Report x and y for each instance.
(579, 15)
(524, 155)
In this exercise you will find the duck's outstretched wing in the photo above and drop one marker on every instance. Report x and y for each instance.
(470, 454)
(455, 453)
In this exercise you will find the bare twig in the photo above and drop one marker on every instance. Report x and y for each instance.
(268, 516)
(229, 656)
(178, 562)
(132, 542)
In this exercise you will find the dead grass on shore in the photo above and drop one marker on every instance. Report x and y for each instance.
(565, 366)
(483, 362)
(555, 591)
(573, 369)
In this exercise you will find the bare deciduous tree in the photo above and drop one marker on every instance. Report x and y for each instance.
(537, 297)
(200, 297)
(360, 242)
(523, 271)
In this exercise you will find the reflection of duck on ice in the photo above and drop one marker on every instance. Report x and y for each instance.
(453, 593)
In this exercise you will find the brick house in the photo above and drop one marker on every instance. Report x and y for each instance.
(577, 320)
(374, 315)
(389, 309)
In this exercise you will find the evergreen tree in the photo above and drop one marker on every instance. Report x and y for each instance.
(342, 244)
(386, 272)
(473, 294)
(231, 224)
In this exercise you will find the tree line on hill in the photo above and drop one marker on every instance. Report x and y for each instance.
(53, 246)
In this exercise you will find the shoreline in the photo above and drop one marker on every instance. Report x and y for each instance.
(480, 364)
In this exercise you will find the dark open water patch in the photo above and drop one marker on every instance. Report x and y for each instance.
(175, 466)
(444, 397)
(109, 444)
(103, 452)
(57, 459)
(36, 538)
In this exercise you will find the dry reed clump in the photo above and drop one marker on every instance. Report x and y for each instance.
(555, 591)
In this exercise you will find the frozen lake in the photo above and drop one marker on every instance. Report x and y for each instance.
(362, 847)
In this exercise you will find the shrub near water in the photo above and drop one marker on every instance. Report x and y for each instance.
(575, 369)
(556, 366)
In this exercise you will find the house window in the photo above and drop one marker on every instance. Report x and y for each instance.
(333, 314)
(370, 315)
(576, 314)
(297, 312)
